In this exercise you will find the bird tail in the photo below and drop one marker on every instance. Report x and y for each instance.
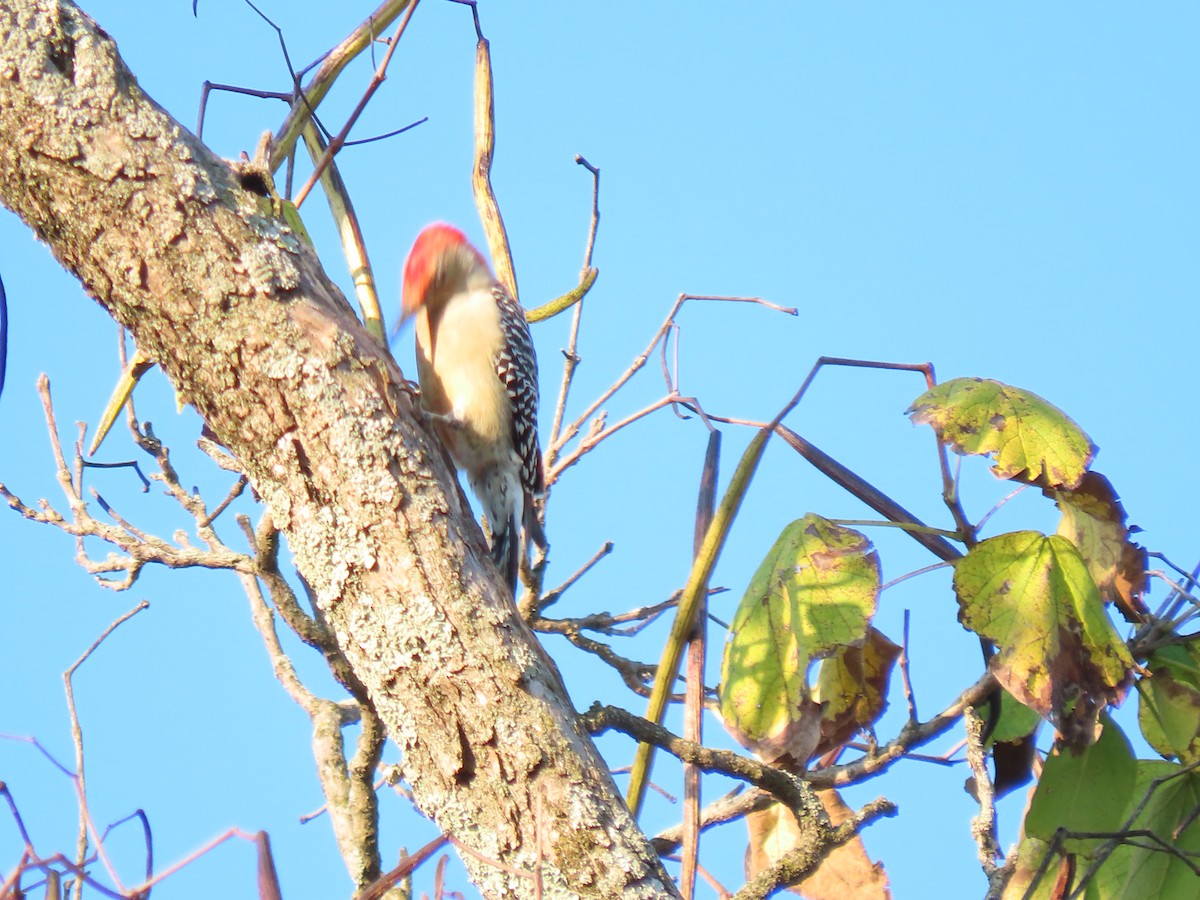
(506, 550)
(535, 536)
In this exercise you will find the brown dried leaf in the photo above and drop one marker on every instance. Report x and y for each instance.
(1013, 761)
(1094, 520)
(846, 872)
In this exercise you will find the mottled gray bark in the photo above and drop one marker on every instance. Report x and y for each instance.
(238, 313)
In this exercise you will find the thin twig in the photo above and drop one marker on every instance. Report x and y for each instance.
(635, 674)
(209, 86)
(571, 358)
(144, 887)
(925, 570)
(77, 739)
(910, 697)
(791, 790)
(236, 491)
(591, 240)
(641, 616)
(487, 860)
(858, 487)
(995, 509)
(737, 804)
(553, 596)
(911, 736)
(590, 441)
(335, 144)
(1187, 576)
(332, 64)
(570, 430)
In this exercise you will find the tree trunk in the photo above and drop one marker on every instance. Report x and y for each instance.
(238, 313)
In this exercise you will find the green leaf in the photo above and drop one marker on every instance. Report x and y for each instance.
(1169, 703)
(1140, 867)
(1028, 438)
(1057, 651)
(814, 592)
(1135, 871)
(1084, 791)
(1016, 720)
(1013, 745)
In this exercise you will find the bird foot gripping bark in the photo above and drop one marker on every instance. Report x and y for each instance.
(447, 419)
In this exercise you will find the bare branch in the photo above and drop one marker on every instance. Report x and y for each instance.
(553, 596)
(693, 721)
(983, 826)
(791, 790)
(636, 675)
(481, 172)
(911, 736)
(571, 354)
(571, 430)
(77, 739)
(334, 62)
(335, 144)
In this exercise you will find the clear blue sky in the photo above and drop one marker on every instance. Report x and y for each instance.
(1007, 192)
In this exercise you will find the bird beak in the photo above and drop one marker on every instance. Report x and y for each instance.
(410, 302)
(411, 299)
(397, 328)
(408, 309)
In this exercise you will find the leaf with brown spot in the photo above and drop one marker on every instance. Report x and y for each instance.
(1094, 520)
(1028, 438)
(1057, 650)
(852, 688)
(814, 592)
(1169, 702)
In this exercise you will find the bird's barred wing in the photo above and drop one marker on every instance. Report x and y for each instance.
(516, 364)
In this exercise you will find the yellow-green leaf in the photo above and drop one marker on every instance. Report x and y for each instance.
(852, 688)
(1057, 651)
(814, 592)
(1028, 439)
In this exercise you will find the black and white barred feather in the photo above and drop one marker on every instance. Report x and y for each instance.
(516, 364)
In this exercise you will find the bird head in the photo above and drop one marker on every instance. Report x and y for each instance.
(441, 262)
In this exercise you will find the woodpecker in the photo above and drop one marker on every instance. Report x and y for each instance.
(478, 376)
